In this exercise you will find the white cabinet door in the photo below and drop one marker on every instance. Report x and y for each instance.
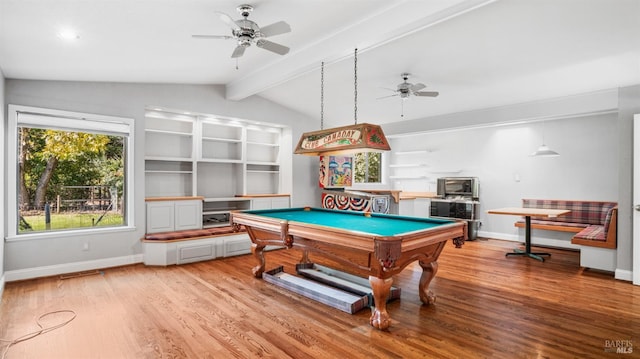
(270, 202)
(160, 216)
(188, 215)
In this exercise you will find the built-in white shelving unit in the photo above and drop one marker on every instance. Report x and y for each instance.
(212, 157)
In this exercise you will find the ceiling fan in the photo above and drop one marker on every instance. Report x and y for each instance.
(247, 32)
(406, 89)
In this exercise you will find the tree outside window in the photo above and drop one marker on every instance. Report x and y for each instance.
(69, 179)
(368, 167)
(73, 171)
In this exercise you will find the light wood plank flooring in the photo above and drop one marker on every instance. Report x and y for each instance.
(487, 306)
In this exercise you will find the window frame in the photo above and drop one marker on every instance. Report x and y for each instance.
(69, 121)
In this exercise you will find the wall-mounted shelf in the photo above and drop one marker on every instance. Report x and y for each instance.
(408, 177)
(417, 152)
(408, 165)
(453, 171)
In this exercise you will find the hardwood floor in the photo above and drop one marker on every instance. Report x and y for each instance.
(488, 306)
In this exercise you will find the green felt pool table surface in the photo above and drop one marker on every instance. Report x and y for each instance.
(375, 224)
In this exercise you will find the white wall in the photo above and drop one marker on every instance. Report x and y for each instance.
(629, 104)
(3, 208)
(31, 258)
(586, 169)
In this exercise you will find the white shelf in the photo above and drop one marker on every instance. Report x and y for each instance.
(168, 171)
(220, 139)
(263, 144)
(408, 177)
(168, 159)
(409, 165)
(165, 132)
(225, 199)
(219, 212)
(445, 171)
(258, 163)
(402, 153)
(261, 171)
(219, 160)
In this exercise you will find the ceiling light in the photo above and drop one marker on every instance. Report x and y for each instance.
(544, 150)
(68, 34)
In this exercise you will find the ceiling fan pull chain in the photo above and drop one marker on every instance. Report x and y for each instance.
(355, 86)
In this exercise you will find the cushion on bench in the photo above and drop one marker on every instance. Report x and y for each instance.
(193, 233)
(594, 233)
(587, 212)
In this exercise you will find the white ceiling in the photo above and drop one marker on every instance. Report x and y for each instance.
(476, 53)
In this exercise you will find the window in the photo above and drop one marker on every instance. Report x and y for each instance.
(73, 171)
(368, 167)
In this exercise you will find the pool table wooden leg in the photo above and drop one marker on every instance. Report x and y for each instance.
(428, 273)
(379, 316)
(258, 253)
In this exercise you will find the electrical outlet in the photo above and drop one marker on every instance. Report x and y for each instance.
(85, 246)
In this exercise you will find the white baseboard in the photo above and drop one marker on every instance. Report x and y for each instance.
(623, 274)
(45, 271)
(1, 287)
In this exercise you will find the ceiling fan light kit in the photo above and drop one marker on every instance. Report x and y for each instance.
(406, 89)
(247, 32)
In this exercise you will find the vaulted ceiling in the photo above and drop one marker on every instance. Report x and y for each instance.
(475, 53)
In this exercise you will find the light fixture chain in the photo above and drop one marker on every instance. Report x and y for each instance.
(355, 86)
(322, 96)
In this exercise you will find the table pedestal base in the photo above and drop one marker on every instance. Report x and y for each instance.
(520, 252)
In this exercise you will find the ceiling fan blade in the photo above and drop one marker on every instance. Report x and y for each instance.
(272, 46)
(386, 88)
(277, 28)
(426, 93)
(417, 87)
(228, 20)
(223, 37)
(386, 96)
(239, 51)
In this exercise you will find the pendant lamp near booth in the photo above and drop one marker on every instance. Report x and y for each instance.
(544, 150)
(345, 140)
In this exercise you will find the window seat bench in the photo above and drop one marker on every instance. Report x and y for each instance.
(187, 246)
(593, 222)
(192, 234)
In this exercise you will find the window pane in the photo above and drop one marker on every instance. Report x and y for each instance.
(368, 167)
(69, 180)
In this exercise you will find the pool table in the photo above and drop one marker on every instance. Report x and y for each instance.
(368, 244)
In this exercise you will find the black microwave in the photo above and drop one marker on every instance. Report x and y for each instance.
(454, 209)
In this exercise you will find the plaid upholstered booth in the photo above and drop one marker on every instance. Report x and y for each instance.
(594, 222)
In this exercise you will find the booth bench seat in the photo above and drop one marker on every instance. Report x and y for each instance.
(593, 222)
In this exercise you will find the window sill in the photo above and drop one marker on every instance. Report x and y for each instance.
(74, 233)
